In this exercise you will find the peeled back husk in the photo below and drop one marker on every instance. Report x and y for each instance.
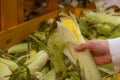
(71, 37)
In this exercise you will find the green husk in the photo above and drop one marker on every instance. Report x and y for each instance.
(38, 63)
(18, 48)
(95, 18)
(56, 46)
(12, 65)
(50, 75)
(5, 72)
(30, 60)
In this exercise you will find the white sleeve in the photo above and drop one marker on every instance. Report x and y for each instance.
(114, 46)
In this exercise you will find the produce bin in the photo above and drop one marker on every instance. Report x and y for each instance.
(16, 33)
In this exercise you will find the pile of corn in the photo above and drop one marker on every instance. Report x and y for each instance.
(48, 52)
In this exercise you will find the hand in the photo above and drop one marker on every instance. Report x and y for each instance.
(99, 50)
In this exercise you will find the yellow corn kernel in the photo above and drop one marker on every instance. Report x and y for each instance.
(32, 52)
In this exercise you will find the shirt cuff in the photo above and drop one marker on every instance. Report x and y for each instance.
(114, 46)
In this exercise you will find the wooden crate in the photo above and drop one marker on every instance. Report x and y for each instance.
(13, 29)
(19, 32)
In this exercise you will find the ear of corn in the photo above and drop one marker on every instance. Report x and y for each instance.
(72, 36)
(39, 53)
(70, 24)
(18, 48)
(94, 17)
(5, 72)
(38, 63)
(103, 29)
(12, 65)
(31, 67)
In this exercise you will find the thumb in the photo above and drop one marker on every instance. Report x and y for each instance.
(81, 47)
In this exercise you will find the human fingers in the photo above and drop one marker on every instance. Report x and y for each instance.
(81, 47)
(99, 60)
